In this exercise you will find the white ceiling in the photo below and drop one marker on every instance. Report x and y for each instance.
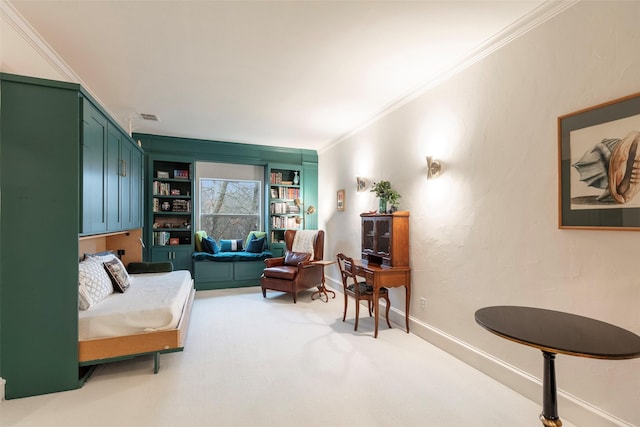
(285, 73)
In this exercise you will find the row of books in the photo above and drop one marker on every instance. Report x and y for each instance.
(177, 205)
(161, 188)
(283, 208)
(284, 222)
(285, 193)
(161, 238)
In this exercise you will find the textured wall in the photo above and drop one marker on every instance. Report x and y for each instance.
(485, 232)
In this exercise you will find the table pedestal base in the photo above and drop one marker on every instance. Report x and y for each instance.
(323, 290)
(549, 416)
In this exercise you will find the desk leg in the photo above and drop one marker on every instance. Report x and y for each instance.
(549, 416)
(407, 288)
(376, 309)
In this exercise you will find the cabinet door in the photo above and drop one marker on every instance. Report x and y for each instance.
(135, 171)
(180, 256)
(94, 141)
(113, 189)
(131, 185)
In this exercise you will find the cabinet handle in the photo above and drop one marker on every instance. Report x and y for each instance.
(123, 167)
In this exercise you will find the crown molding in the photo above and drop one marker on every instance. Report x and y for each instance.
(536, 17)
(11, 16)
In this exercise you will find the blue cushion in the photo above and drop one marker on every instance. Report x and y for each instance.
(210, 245)
(256, 246)
(231, 245)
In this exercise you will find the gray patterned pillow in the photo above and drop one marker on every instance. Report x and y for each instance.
(94, 284)
(118, 274)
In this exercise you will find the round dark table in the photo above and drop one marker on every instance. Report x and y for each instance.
(557, 332)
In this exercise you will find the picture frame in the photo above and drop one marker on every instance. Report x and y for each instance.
(340, 200)
(596, 151)
(163, 175)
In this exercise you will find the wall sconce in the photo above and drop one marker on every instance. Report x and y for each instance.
(310, 210)
(434, 168)
(361, 184)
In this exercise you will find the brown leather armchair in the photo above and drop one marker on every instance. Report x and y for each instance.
(294, 271)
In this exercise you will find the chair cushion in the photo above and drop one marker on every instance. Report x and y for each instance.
(366, 289)
(285, 272)
(294, 258)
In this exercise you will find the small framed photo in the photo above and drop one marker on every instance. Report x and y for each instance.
(174, 241)
(340, 200)
(274, 193)
(163, 175)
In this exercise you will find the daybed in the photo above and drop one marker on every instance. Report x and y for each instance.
(219, 266)
(149, 316)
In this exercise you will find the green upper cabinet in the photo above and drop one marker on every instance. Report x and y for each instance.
(94, 147)
(112, 166)
(132, 184)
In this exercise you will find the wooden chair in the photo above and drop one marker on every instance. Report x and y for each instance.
(294, 271)
(358, 290)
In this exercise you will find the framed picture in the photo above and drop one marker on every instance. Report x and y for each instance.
(340, 200)
(599, 166)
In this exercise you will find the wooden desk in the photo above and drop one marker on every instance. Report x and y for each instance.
(556, 332)
(387, 277)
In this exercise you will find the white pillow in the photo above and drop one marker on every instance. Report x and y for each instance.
(94, 283)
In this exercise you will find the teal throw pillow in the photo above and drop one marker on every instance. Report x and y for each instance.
(231, 245)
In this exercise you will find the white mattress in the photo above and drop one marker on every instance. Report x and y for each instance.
(153, 302)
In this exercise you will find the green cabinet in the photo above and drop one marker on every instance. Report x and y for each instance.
(112, 176)
(179, 256)
(94, 146)
(39, 181)
(61, 173)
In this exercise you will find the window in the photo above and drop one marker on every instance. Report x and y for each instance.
(229, 209)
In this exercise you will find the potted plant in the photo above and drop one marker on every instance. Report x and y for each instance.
(385, 194)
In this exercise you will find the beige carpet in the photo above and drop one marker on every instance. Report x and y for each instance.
(256, 362)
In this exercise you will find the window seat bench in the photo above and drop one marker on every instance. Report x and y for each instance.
(228, 269)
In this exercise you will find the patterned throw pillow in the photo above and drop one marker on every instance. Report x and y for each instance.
(231, 245)
(118, 274)
(94, 284)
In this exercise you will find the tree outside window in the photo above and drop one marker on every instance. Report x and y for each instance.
(229, 209)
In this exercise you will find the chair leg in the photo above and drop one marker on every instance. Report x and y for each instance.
(346, 299)
(370, 307)
(387, 311)
(264, 293)
(357, 314)
(295, 294)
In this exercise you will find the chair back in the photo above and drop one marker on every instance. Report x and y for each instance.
(318, 243)
(345, 263)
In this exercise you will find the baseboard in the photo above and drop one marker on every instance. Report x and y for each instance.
(571, 408)
(2, 383)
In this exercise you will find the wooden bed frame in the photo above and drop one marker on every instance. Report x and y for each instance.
(104, 350)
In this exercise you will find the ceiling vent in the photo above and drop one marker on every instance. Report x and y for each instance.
(150, 117)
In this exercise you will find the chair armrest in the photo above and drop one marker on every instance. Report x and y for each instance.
(272, 262)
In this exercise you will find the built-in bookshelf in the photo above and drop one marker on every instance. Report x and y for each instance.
(172, 211)
(285, 203)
